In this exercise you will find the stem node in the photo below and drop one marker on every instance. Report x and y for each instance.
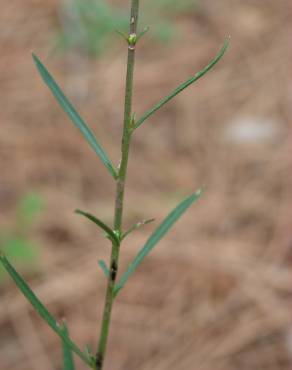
(98, 361)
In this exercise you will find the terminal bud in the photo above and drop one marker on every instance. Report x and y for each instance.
(132, 39)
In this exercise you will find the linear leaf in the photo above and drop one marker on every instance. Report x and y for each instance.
(74, 115)
(42, 310)
(112, 236)
(88, 352)
(137, 226)
(68, 361)
(156, 236)
(142, 33)
(184, 85)
(104, 268)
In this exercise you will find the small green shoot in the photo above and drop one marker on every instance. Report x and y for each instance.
(137, 226)
(142, 33)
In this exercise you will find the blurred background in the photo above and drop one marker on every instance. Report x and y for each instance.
(216, 293)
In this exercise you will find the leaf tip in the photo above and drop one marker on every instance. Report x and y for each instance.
(80, 212)
(104, 268)
(35, 58)
(226, 43)
(200, 191)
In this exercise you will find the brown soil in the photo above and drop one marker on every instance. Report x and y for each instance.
(216, 293)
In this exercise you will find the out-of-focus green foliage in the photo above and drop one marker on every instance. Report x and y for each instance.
(172, 7)
(90, 24)
(15, 242)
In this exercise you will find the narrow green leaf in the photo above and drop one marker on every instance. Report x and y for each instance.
(156, 236)
(68, 361)
(73, 114)
(110, 233)
(88, 352)
(104, 268)
(184, 85)
(137, 226)
(142, 33)
(41, 309)
(122, 34)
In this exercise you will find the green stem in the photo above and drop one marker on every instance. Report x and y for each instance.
(120, 186)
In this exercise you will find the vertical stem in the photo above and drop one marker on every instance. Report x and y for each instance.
(120, 186)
